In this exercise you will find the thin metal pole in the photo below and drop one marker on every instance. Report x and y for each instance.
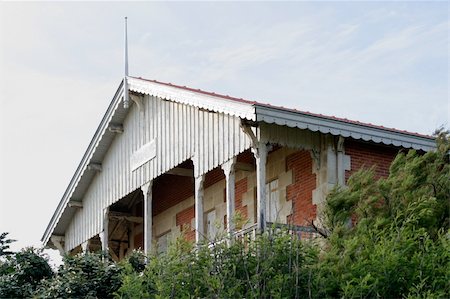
(125, 82)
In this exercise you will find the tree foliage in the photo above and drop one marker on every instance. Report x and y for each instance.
(388, 238)
(272, 266)
(398, 245)
(22, 272)
(85, 275)
(4, 244)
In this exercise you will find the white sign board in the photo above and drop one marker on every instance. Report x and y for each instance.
(143, 155)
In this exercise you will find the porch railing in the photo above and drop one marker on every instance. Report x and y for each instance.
(302, 232)
(248, 234)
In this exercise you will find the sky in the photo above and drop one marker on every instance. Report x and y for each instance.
(60, 64)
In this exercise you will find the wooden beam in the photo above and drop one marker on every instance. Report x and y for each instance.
(181, 172)
(75, 204)
(244, 166)
(125, 216)
(248, 130)
(115, 128)
(95, 166)
(118, 241)
(57, 240)
(134, 219)
(136, 195)
(113, 255)
(119, 222)
(117, 213)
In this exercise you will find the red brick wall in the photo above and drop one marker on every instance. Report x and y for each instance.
(300, 191)
(240, 189)
(213, 176)
(169, 190)
(246, 157)
(184, 219)
(366, 155)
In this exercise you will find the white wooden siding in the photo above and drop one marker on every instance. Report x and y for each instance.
(180, 131)
(290, 137)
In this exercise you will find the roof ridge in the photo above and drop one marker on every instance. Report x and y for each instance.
(241, 100)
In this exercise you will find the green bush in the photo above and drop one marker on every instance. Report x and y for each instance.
(387, 238)
(399, 245)
(4, 244)
(272, 266)
(85, 275)
(22, 272)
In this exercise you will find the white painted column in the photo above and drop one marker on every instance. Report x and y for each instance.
(85, 246)
(228, 169)
(148, 219)
(331, 164)
(104, 236)
(199, 228)
(260, 152)
(340, 162)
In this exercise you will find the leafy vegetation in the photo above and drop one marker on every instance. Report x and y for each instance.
(89, 275)
(271, 266)
(22, 272)
(4, 244)
(399, 245)
(386, 238)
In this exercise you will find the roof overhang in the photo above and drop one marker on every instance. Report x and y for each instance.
(328, 125)
(203, 100)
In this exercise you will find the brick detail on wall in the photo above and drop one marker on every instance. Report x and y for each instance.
(367, 155)
(184, 220)
(213, 176)
(169, 190)
(240, 189)
(246, 157)
(300, 191)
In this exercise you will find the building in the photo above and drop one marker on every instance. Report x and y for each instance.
(184, 160)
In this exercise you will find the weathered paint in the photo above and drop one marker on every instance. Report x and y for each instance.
(180, 132)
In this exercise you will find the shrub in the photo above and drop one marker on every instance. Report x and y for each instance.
(276, 265)
(22, 272)
(85, 275)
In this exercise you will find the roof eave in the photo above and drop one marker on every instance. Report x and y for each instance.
(83, 165)
(346, 129)
(202, 100)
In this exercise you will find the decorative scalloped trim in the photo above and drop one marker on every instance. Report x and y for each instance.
(216, 104)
